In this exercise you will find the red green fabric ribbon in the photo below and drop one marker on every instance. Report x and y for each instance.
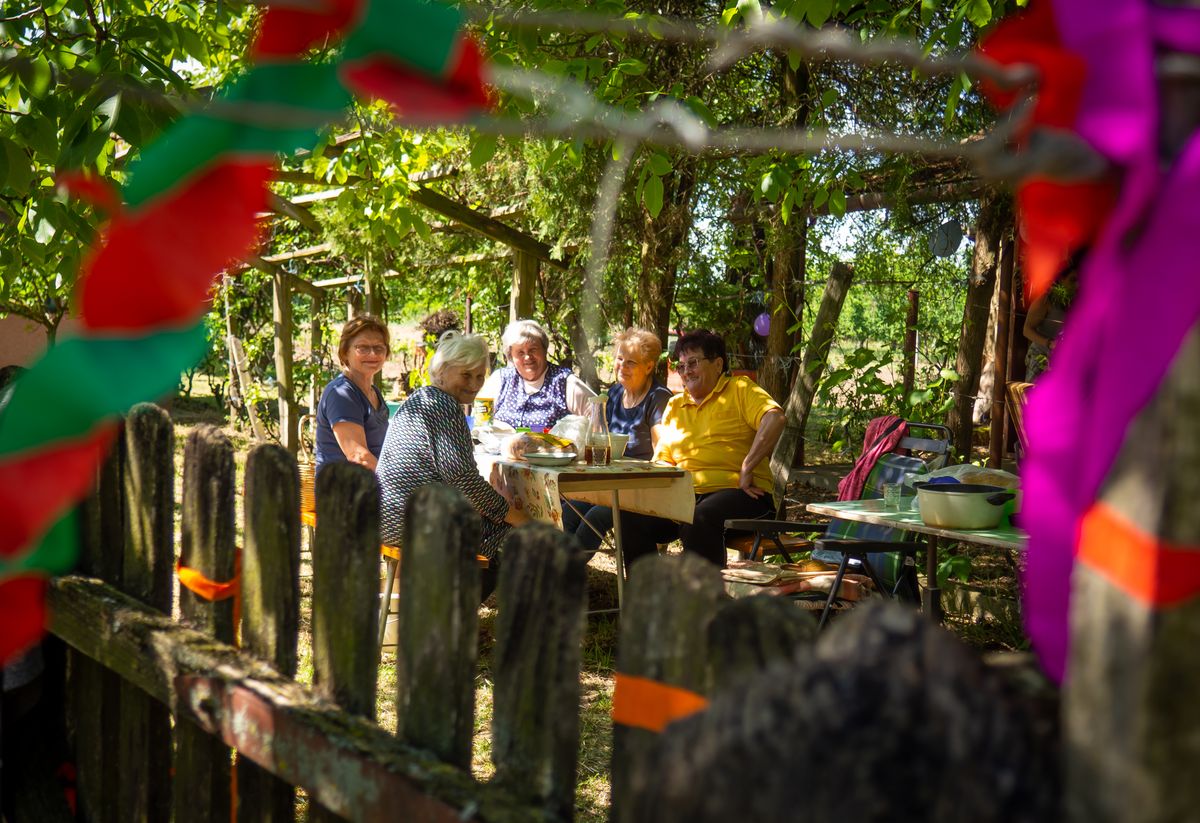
(190, 209)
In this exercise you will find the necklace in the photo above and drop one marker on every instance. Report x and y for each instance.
(629, 401)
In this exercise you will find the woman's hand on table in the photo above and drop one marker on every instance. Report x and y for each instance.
(515, 447)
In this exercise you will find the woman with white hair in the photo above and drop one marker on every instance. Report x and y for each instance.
(428, 442)
(531, 392)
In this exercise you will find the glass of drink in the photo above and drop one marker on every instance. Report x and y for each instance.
(891, 496)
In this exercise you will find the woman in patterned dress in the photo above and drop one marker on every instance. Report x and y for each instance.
(428, 442)
(531, 392)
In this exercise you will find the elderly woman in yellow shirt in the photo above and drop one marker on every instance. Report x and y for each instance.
(722, 429)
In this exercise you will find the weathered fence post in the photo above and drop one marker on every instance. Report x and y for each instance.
(748, 634)
(345, 596)
(535, 709)
(144, 749)
(270, 604)
(1131, 725)
(664, 625)
(437, 645)
(93, 690)
(202, 763)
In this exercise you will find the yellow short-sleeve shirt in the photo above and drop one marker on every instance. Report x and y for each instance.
(711, 438)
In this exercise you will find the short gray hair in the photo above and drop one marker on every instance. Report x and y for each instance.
(520, 330)
(458, 350)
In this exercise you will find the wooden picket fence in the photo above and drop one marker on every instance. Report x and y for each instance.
(156, 706)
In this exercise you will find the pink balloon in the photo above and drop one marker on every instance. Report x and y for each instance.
(762, 324)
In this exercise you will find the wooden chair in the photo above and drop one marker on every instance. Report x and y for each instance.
(391, 558)
(1018, 398)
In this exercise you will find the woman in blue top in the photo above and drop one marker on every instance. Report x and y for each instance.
(635, 406)
(352, 417)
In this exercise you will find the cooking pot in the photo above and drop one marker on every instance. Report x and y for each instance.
(962, 505)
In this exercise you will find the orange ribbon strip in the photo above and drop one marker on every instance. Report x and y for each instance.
(210, 590)
(648, 704)
(1144, 566)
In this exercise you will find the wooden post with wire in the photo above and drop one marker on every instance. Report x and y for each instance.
(202, 763)
(438, 629)
(345, 591)
(144, 744)
(270, 604)
(539, 633)
(664, 644)
(93, 691)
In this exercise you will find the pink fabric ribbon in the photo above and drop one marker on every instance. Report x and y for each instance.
(1139, 296)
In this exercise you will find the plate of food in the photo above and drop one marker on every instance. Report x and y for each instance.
(548, 458)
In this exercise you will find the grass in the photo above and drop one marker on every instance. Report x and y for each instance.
(990, 569)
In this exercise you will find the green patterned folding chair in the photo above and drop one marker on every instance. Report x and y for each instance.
(884, 554)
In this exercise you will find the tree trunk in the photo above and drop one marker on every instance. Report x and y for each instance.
(789, 243)
(791, 442)
(786, 305)
(994, 218)
(664, 241)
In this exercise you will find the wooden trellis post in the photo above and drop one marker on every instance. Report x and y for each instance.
(524, 285)
(282, 312)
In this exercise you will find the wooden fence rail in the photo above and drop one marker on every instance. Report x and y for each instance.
(175, 698)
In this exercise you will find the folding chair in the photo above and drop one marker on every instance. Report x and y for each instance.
(881, 552)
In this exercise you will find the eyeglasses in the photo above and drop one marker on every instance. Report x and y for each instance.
(364, 350)
(688, 365)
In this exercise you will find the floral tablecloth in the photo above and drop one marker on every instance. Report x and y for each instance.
(539, 489)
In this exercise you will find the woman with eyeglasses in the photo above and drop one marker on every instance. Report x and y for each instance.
(722, 429)
(531, 392)
(352, 417)
(635, 406)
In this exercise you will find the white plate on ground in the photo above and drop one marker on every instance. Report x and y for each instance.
(550, 458)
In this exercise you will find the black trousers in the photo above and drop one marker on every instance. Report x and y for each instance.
(705, 535)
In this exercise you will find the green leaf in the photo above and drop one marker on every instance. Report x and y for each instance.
(837, 202)
(4, 161)
(35, 75)
(819, 11)
(44, 232)
(979, 12)
(820, 197)
(949, 374)
(728, 15)
(750, 10)
(928, 7)
(483, 149)
(954, 565)
(956, 90)
(110, 110)
(828, 98)
(631, 66)
(785, 208)
(652, 195)
(659, 164)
